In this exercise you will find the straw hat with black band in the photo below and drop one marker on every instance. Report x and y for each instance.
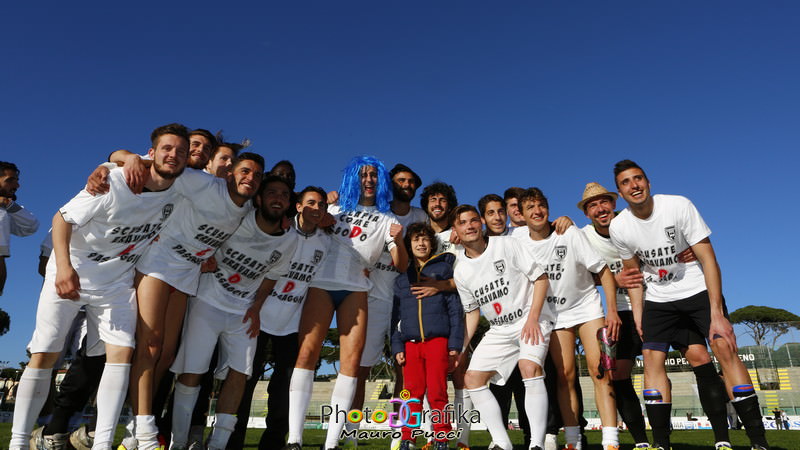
(592, 191)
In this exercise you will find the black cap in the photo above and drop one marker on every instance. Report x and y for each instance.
(404, 168)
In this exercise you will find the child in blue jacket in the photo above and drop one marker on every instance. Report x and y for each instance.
(427, 332)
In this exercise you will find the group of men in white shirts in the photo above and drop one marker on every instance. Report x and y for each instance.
(149, 244)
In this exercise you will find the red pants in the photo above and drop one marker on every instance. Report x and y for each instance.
(425, 371)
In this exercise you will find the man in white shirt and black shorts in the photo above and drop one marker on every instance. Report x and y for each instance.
(649, 234)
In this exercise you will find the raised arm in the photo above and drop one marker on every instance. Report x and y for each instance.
(399, 253)
(23, 222)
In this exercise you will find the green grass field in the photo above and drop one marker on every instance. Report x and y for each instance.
(689, 440)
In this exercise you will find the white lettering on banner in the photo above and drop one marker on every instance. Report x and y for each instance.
(680, 361)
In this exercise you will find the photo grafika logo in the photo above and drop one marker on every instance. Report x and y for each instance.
(378, 419)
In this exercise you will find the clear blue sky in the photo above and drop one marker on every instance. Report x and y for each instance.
(483, 95)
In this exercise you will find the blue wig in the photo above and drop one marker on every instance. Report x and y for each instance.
(350, 189)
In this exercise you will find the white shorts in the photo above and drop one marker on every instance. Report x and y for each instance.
(110, 318)
(379, 319)
(159, 261)
(203, 327)
(579, 314)
(501, 349)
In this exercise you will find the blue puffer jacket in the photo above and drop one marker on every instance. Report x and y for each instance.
(440, 315)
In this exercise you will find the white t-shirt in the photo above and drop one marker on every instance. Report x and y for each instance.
(5, 233)
(280, 314)
(569, 262)
(383, 273)
(414, 215)
(605, 248)
(242, 263)
(359, 238)
(46, 247)
(518, 231)
(499, 282)
(674, 226)
(111, 231)
(16, 220)
(443, 244)
(201, 223)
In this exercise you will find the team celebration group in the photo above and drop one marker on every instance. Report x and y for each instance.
(189, 262)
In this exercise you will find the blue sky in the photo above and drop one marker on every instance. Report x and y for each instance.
(481, 95)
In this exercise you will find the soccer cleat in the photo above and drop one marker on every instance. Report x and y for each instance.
(570, 447)
(441, 445)
(723, 446)
(292, 446)
(758, 447)
(81, 439)
(57, 441)
(428, 446)
(611, 447)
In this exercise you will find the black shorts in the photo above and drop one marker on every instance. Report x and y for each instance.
(629, 344)
(681, 321)
(687, 335)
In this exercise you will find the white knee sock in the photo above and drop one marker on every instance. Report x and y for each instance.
(34, 385)
(341, 399)
(572, 435)
(300, 388)
(146, 432)
(111, 394)
(185, 398)
(536, 408)
(223, 427)
(486, 404)
(610, 436)
(462, 402)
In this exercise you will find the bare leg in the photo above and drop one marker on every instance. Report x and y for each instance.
(173, 325)
(603, 391)
(153, 297)
(562, 350)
